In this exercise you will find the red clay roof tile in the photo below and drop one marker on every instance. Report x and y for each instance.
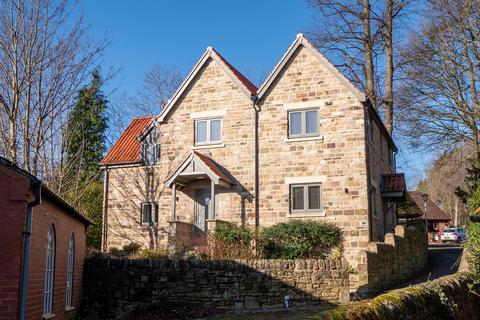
(213, 166)
(393, 182)
(127, 148)
(247, 83)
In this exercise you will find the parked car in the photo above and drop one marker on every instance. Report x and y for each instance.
(454, 234)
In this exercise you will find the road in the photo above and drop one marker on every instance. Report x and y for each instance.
(443, 259)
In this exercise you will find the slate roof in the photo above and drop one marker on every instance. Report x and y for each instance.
(433, 211)
(127, 149)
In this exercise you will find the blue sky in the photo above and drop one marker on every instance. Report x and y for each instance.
(252, 35)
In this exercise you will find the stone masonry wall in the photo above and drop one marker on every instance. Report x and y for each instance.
(384, 264)
(337, 158)
(116, 287)
(450, 298)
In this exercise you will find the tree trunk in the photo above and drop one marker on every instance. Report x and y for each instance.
(389, 67)
(368, 47)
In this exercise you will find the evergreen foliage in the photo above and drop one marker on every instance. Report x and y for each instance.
(298, 239)
(84, 146)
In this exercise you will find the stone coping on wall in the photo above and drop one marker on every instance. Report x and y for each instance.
(120, 286)
(449, 297)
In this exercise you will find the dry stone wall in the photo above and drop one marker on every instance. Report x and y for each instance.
(116, 287)
(384, 264)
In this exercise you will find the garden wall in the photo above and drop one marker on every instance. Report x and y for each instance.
(450, 297)
(400, 257)
(116, 287)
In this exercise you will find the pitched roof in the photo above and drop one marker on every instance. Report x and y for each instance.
(213, 166)
(433, 211)
(213, 169)
(127, 148)
(45, 191)
(300, 40)
(245, 85)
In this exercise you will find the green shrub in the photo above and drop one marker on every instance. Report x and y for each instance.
(473, 245)
(231, 234)
(298, 239)
(473, 201)
(153, 254)
(132, 247)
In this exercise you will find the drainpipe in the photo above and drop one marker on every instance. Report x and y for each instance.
(257, 178)
(26, 250)
(368, 170)
(105, 208)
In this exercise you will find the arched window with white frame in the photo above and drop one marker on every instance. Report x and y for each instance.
(49, 273)
(70, 268)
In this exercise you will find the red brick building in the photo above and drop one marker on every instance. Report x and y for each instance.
(436, 219)
(43, 249)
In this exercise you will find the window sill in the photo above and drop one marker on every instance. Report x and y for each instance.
(209, 146)
(48, 316)
(68, 309)
(299, 139)
(306, 215)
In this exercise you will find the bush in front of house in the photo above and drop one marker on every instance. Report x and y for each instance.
(132, 248)
(231, 241)
(232, 234)
(298, 239)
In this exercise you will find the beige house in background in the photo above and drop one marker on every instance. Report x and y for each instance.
(307, 144)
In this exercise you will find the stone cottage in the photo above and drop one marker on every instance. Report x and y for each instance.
(307, 144)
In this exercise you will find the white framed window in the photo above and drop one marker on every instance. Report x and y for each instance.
(303, 123)
(70, 267)
(149, 213)
(208, 131)
(49, 273)
(305, 198)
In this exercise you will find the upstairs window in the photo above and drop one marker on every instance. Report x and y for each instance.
(149, 213)
(306, 198)
(49, 273)
(70, 265)
(208, 131)
(303, 123)
(151, 147)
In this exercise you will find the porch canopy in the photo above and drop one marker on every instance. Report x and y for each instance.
(393, 186)
(197, 167)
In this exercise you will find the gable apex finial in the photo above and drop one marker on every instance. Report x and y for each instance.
(209, 48)
(300, 35)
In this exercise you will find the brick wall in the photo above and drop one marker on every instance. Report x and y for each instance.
(116, 287)
(14, 194)
(44, 215)
(385, 264)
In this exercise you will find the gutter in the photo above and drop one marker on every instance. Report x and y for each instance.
(26, 249)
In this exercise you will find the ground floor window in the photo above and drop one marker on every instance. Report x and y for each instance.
(305, 198)
(49, 273)
(149, 213)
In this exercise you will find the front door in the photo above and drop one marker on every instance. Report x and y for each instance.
(202, 199)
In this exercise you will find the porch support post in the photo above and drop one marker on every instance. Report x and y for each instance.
(212, 201)
(174, 202)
